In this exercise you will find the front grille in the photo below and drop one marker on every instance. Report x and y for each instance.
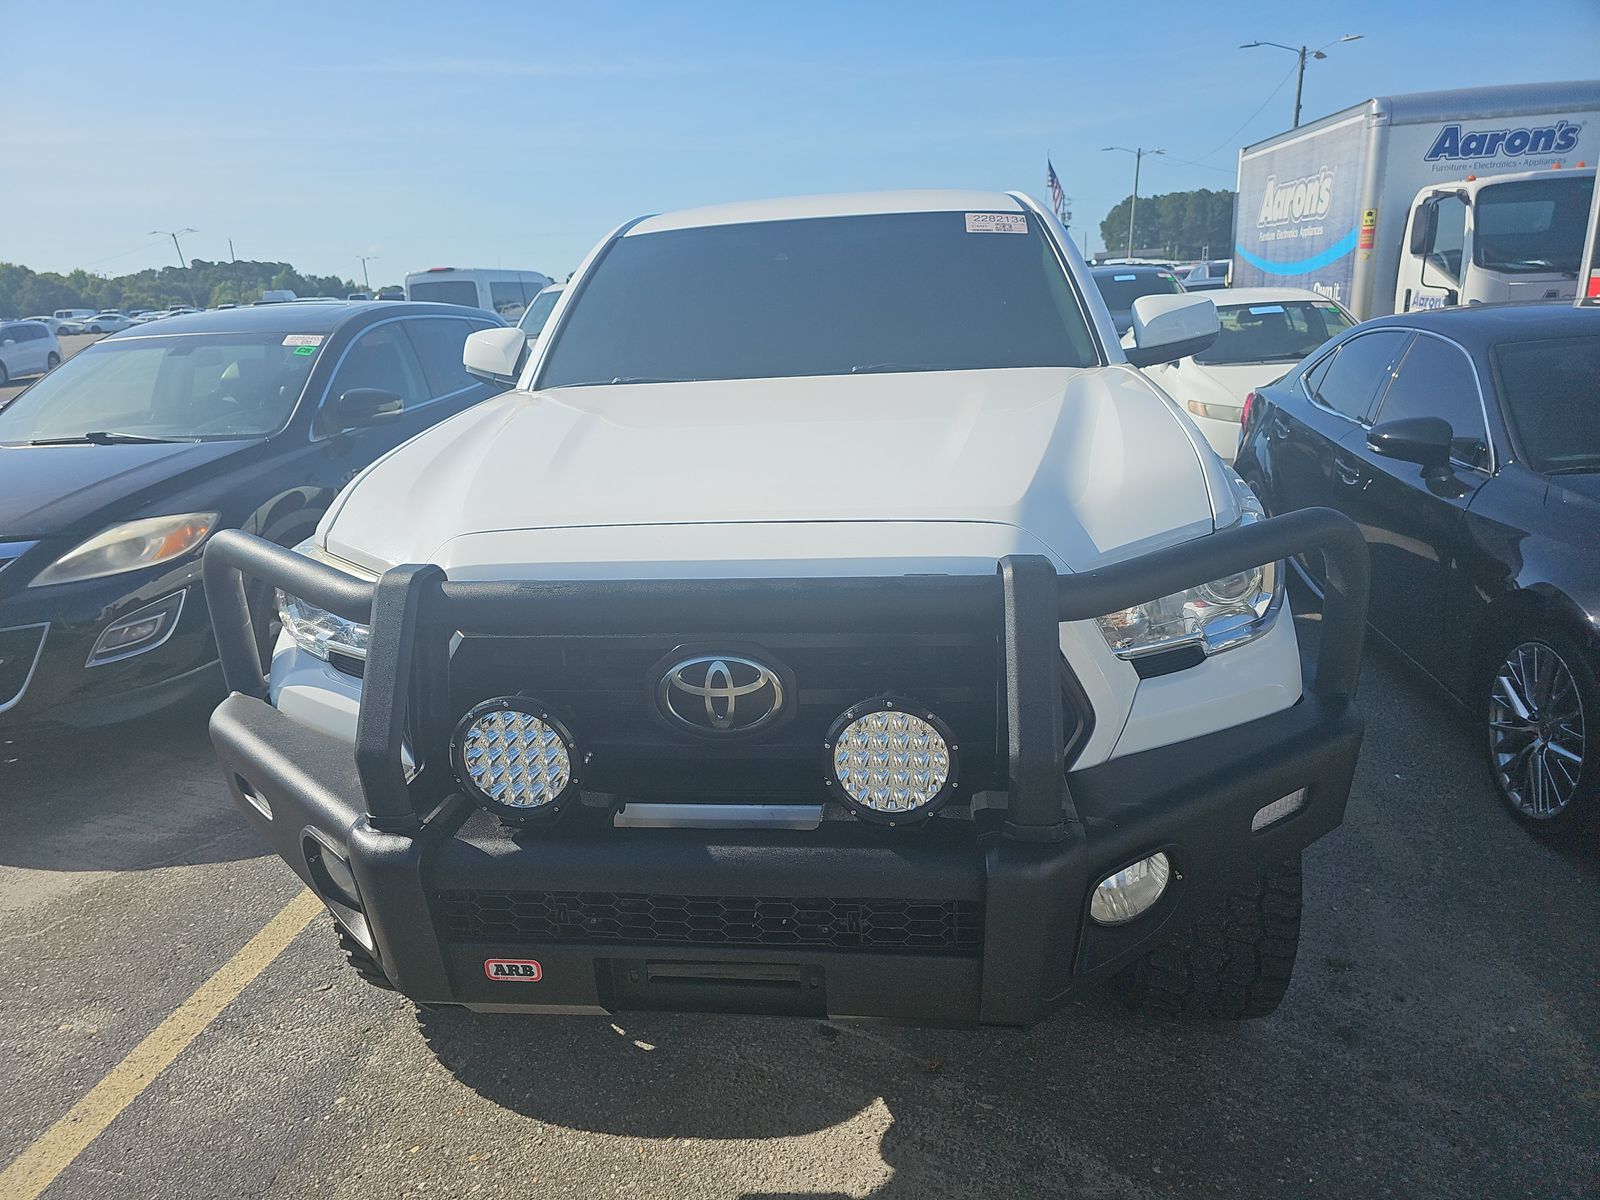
(920, 926)
(19, 649)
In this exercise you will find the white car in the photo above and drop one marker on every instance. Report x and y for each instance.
(1264, 332)
(27, 348)
(798, 635)
(107, 322)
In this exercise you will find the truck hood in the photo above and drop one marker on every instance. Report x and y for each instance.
(1092, 464)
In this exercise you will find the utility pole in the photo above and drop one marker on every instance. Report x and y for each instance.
(183, 265)
(1138, 153)
(1303, 53)
(238, 288)
(365, 259)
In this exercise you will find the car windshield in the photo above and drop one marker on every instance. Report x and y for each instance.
(538, 313)
(1548, 387)
(1121, 288)
(206, 386)
(938, 291)
(1531, 225)
(1279, 331)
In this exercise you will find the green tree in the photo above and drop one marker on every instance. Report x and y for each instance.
(1177, 225)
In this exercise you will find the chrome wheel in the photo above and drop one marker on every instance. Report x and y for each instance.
(1537, 738)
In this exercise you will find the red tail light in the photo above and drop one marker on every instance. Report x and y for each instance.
(1244, 413)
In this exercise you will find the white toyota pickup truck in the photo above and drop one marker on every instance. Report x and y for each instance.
(829, 619)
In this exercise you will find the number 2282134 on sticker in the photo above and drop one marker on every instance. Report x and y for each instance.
(997, 222)
(513, 970)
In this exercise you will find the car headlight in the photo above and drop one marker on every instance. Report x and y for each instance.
(129, 546)
(316, 630)
(1216, 616)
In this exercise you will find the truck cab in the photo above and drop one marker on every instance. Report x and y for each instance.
(1503, 238)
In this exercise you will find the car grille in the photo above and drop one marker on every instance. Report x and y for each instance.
(922, 926)
(19, 649)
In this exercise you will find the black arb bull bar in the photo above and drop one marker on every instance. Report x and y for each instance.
(397, 853)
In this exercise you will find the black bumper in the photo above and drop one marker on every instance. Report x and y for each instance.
(951, 921)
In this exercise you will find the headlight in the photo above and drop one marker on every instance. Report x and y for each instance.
(316, 630)
(1217, 616)
(129, 546)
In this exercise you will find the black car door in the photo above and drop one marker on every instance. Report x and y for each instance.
(438, 342)
(380, 357)
(1330, 402)
(1414, 517)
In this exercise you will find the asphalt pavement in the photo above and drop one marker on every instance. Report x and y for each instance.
(1441, 1037)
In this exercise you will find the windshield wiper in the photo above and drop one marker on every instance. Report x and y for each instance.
(886, 368)
(98, 437)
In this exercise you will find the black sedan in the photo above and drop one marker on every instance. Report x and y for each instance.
(116, 468)
(1466, 444)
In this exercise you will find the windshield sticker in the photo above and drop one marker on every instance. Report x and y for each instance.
(1124, 278)
(997, 222)
(303, 339)
(1257, 310)
(305, 349)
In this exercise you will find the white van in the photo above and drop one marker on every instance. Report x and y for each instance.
(505, 292)
(73, 314)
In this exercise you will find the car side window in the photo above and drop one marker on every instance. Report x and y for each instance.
(1436, 379)
(438, 342)
(1350, 382)
(382, 358)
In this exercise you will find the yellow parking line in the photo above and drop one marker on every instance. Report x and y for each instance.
(36, 1167)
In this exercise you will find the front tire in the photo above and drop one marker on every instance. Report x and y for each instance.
(52, 362)
(1543, 731)
(360, 958)
(1233, 963)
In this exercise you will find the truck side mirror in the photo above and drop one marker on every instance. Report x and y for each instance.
(1423, 222)
(1421, 440)
(1169, 327)
(494, 355)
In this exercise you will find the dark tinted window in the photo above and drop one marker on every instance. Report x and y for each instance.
(438, 342)
(446, 291)
(538, 313)
(827, 296)
(1532, 224)
(1551, 391)
(382, 358)
(509, 299)
(1435, 379)
(1121, 288)
(1350, 383)
(1278, 332)
(1449, 236)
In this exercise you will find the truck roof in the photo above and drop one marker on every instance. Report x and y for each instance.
(845, 204)
(1413, 108)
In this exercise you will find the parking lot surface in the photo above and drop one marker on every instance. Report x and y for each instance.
(70, 345)
(1441, 1038)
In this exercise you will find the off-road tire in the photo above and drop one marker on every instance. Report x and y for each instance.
(1231, 964)
(359, 957)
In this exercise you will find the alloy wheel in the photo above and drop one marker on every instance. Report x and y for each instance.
(1537, 737)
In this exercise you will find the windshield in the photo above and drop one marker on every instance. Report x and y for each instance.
(1532, 225)
(824, 296)
(1122, 288)
(207, 386)
(1549, 392)
(538, 313)
(1278, 332)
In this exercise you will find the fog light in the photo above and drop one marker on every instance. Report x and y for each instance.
(890, 761)
(1284, 806)
(515, 759)
(1124, 895)
(139, 631)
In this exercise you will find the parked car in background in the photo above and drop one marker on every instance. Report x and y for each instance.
(115, 470)
(506, 292)
(391, 294)
(1207, 276)
(1265, 331)
(538, 314)
(27, 348)
(1120, 286)
(107, 322)
(1466, 444)
(51, 323)
(359, 296)
(73, 314)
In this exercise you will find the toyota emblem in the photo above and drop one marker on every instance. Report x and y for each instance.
(720, 694)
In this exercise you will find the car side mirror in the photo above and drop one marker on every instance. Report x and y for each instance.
(1169, 327)
(1422, 226)
(366, 406)
(494, 355)
(1421, 440)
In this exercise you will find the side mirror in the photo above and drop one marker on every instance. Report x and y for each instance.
(366, 406)
(1421, 440)
(1422, 220)
(1167, 328)
(494, 355)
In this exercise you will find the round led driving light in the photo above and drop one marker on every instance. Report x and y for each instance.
(515, 759)
(890, 761)
(1128, 893)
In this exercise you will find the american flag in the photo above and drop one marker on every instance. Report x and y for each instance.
(1058, 198)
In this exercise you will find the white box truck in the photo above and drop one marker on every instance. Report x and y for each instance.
(1426, 200)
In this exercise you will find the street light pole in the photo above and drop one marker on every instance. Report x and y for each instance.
(365, 259)
(1304, 53)
(1138, 153)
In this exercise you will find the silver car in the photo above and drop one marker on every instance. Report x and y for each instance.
(27, 348)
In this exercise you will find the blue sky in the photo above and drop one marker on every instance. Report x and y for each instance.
(516, 134)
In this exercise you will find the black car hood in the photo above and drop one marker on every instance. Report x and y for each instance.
(49, 490)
